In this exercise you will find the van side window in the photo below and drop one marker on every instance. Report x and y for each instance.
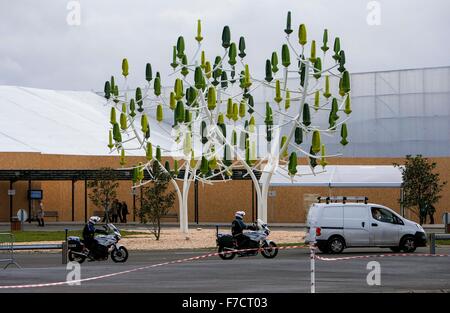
(398, 221)
(383, 215)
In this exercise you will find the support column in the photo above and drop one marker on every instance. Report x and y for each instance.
(253, 201)
(402, 209)
(73, 200)
(29, 201)
(196, 200)
(256, 205)
(141, 201)
(85, 201)
(134, 206)
(11, 201)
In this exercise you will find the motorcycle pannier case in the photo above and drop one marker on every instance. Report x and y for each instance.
(225, 240)
(74, 243)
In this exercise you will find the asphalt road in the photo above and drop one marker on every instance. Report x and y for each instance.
(288, 272)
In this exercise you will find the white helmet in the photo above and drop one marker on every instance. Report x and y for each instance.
(94, 219)
(239, 214)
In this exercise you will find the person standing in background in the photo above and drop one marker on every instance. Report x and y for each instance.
(119, 211)
(107, 214)
(114, 210)
(124, 212)
(40, 214)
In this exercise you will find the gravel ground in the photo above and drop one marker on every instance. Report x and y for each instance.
(171, 238)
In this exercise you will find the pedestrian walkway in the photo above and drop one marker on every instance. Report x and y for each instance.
(60, 226)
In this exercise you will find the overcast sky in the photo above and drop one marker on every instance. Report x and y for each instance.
(39, 49)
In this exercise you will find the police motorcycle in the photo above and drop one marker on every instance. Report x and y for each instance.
(106, 245)
(228, 246)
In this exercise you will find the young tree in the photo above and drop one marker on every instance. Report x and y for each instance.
(421, 186)
(215, 117)
(156, 200)
(103, 190)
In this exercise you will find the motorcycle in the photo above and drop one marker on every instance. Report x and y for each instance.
(228, 247)
(107, 245)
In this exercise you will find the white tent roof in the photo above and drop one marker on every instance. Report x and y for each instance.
(61, 122)
(341, 176)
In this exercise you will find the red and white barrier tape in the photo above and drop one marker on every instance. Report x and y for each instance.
(73, 282)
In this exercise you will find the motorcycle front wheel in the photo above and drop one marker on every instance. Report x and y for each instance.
(270, 250)
(119, 255)
(225, 255)
(74, 257)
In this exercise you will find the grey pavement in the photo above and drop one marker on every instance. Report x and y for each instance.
(288, 272)
(60, 226)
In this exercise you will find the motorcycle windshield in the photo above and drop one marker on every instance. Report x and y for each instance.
(113, 228)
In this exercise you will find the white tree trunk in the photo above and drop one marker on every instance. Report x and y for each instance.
(180, 202)
(274, 157)
(184, 226)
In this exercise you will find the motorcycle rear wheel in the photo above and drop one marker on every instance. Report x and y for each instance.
(224, 255)
(270, 251)
(119, 255)
(73, 257)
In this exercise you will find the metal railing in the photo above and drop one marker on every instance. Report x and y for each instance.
(7, 244)
(38, 247)
(432, 240)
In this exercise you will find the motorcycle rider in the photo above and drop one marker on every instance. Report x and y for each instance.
(237, 228)
(89, 232)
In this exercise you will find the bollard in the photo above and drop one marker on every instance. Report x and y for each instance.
(64, 252)
(432, 240)
(64, 249)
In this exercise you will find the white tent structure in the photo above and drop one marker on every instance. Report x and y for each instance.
(61, 122)
(342, 176)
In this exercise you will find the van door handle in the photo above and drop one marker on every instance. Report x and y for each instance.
(363, 224)
(374, 224)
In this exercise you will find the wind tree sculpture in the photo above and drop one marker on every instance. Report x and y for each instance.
(214, 126)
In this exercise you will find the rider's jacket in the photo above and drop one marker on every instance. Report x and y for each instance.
(89, 232)
(238, 226)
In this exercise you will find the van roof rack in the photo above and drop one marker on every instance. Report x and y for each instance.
(342, 199)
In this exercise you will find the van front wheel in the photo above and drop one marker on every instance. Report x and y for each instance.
(336, 245)
(408, 245)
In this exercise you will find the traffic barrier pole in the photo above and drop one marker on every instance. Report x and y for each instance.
(64, 249)
(64, 252)
(432, 240)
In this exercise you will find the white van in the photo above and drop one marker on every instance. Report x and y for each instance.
(347, 225)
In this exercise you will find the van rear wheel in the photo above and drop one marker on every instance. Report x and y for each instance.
(335, 245)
